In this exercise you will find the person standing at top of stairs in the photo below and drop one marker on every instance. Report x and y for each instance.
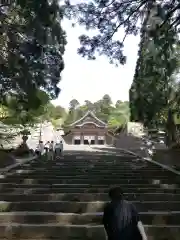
(46, 146)
(121, 220)
(58, 148)
(51, 151)
(40, 148)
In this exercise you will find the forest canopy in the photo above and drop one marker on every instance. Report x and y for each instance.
(114, 115)
(109, 17)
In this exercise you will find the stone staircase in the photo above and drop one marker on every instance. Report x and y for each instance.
(64, 199)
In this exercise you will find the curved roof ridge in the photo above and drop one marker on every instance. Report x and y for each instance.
(85, 115)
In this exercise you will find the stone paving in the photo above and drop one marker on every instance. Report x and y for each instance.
(64, 199)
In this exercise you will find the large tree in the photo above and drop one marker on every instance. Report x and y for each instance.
(103, 108)
(109, 16)
(31, 49)
(74, 112)
(152, 94)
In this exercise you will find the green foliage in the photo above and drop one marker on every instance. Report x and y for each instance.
(153, 79)
(15, 116)
(153, 98)
(57, 122)
(16, 120)
(18, 115)
(52, 112)
(74, 112)
(107, 17)
(115, 116)
(154, 94)
(31, 48)
(6, 134)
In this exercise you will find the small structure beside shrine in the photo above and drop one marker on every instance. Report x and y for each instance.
(89, 130)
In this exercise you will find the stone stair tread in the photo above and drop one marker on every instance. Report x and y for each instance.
(81, 202)
(66, 185)
(64, 200)
(75, 225)
(22, 213)
(88, 190)
(71, 232)
(81, 207)
(106, 188)
(80, 193)
(26, 230)
(168, 218)
(76, 197)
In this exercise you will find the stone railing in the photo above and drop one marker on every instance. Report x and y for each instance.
(144, 145)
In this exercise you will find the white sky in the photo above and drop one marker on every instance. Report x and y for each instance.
(90, 80)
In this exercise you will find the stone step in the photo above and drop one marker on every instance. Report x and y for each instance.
(85, 176)
(94, 157)
(80, 197)
(78, 232)
(104, 169)
(100, 160)
(107, 160)
(82, 207)
(48, 200)
(77, 165)
(119, 165)
(81, 171)
(68, 173)
(99, 163)
(81, 159)
(86, 181)
(97, 166)
(71, 185)
(90, 190)
(158, 218)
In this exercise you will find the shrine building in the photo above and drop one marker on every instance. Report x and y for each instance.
(89, 130)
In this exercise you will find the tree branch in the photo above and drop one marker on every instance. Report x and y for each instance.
(127, 19)
(169, 14)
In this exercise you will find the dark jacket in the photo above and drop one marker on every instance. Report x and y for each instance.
(120, 220)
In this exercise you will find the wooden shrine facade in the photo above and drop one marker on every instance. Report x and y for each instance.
(89, 130)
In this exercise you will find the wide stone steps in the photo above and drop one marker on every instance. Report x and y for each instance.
(77, 186)
(79, 232)
(64, 200)
(92, 171)
(87, 164)
(130, 189)
(85, 197)
(83, 171)
(82, 207)
(148, 218)
(84, 163)
(86, 181)
(96, 162)
(63, 175)
(83, 174)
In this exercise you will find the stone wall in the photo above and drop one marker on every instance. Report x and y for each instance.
(168, 157)
(109, 139)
